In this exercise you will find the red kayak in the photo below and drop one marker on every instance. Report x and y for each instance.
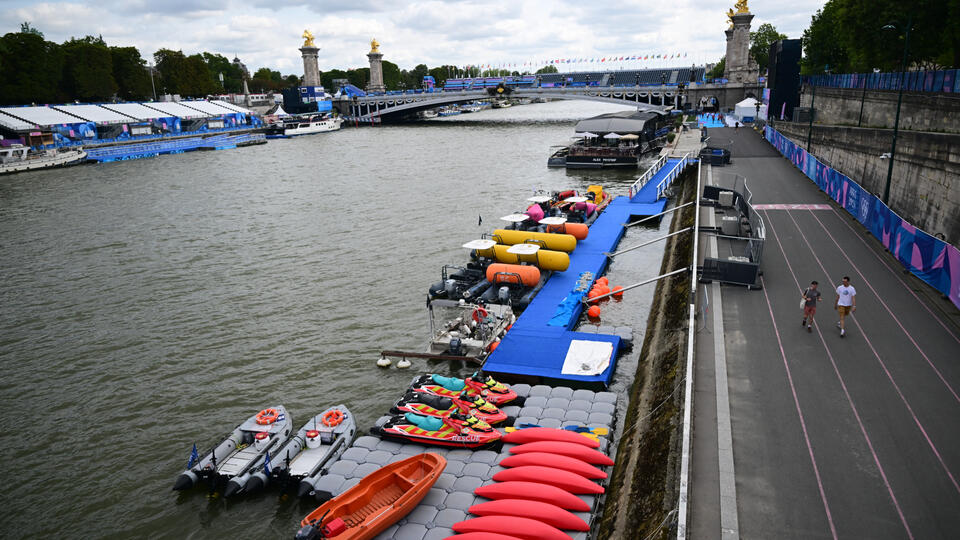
(540, 511)
(534, 434)
(555, 461)
(524, 528)
(565, 480)
(533, 491)
(482, 536)
(588, 455)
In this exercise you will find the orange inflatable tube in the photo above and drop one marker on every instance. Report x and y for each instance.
(529, 276)
(577, 230)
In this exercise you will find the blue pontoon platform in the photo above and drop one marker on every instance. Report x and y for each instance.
(537, 344)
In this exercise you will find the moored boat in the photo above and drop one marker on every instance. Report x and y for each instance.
(428, 404)
(379, 500)
(457, 430)
(309, 453)
(18, 158)
(478, 383)
(234, 459)
(304, 124)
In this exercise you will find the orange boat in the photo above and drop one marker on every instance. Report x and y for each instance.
(376, 502)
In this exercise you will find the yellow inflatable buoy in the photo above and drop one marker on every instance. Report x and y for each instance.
(545, 259)
(556, 242)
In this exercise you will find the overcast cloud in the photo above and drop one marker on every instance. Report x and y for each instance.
(267, 33)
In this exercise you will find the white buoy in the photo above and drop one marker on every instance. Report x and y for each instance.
(403, 363)
(383, 362)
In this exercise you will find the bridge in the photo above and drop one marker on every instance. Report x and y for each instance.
(605, 87)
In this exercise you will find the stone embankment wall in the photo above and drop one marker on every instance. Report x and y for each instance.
(642, 496)
(918, 112)
(925, 186)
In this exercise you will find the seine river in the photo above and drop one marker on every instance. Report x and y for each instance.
(151, 304)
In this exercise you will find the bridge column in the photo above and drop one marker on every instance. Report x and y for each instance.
(650, 98)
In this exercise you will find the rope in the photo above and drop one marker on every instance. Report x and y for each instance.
(655, 409)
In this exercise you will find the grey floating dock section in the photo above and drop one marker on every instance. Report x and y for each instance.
(466, 470)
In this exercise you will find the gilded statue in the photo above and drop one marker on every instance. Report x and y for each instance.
(741, 6)
(374, 46)
(308, 39)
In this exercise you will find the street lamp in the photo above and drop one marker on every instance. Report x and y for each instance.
(896, 122)
(863, 96)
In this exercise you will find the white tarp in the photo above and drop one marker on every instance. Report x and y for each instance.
(587, 357)
(748, 109)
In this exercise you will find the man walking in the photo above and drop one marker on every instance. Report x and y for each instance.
(846, 302)
(810, 296)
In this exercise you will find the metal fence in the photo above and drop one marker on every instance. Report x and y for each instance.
(940, 81)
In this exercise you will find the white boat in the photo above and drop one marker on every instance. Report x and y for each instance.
(428, 114)
(471, 107)
(502, 104)
(19, 158)
(449, 111)
(308, 124)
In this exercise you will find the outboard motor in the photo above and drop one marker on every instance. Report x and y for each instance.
(456, 346)
(504, 295)
(450, 286)
(261, 440)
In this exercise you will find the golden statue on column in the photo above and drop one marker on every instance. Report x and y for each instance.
(308, 39)
(374, 46)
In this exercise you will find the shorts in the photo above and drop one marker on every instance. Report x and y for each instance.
(809, 311)
(844, 310)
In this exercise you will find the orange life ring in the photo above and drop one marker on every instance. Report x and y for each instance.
(267, 417)
(332, 418)
(479, 314)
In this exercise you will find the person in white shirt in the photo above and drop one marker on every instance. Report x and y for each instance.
(846, 302)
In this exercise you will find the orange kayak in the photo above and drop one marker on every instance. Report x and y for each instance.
(376, 502)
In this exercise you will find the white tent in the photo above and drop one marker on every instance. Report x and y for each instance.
(612, 136)
(748, 109)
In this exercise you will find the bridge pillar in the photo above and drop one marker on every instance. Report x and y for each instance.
(376, 69)
(311, 71)
(740, 65)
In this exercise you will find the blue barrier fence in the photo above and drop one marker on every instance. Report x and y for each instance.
(943, 81)
(930, 259)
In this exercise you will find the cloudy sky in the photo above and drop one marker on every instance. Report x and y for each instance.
(267, 33)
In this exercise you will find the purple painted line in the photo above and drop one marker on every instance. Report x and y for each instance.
(893, 381)
(896, 275)
(803, 424)
(792, 207)
(884, 304)
(846, 392)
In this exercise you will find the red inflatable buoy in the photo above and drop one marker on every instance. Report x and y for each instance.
(535, 434)
(540, 511)
(555, 461)
(594, 312)
(534, 492)
(578, 451)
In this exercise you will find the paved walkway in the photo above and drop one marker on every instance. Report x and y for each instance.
(831, 437)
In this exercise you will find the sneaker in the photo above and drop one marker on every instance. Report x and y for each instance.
(843, 332)
(838, 324)
(808, 329)
(803, 322)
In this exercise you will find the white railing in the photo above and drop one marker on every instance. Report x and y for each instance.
(686, 445)
(645, 177)
(672, 175)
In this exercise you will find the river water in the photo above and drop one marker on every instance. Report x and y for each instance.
(151, 304)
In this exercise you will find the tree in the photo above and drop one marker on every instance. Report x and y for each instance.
(327, 77)
(130, 73)
(172, 68)
(718, 69)
(391, 75)
(232, 74)
(823, 42)
(88, 70)
(548, 69)
(31, 69)
(359, 77)
(26, 28)
(760, 42)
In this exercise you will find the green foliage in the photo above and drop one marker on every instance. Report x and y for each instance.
(188, 76)
(26, 28)
(391, 75)
(848, 35)
(717, 71)
(822, 42)
(327, 77)
(232, 74)
(359, 77)
(760, 42)
(130, 73)
(88, 70)
(547, 69)
(31, 69)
